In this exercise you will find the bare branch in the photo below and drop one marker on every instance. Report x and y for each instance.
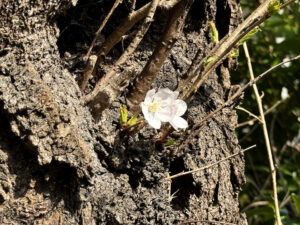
(250, 122)
(201, 72)
(87, 74)
(117, 2)
(250, 113)
(124, 27)
(110, 86)
(209, 165)
(172, 30)
(197, 126)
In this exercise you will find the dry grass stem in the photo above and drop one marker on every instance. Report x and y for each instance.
(266, 136)
(255, 204)
(206, 221)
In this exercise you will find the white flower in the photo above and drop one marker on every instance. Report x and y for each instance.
(284, 93)
(164, 106)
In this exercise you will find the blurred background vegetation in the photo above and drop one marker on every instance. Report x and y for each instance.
(278, 41)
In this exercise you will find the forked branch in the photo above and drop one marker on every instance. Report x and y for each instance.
(172, 30)
(112, 84)
(197, 126)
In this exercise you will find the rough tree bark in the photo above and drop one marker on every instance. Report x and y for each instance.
(58, 166)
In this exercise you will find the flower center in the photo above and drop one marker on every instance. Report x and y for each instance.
(153, 107)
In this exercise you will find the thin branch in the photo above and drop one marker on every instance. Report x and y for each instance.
(241, 90)
(197, 126)
(206, 221)
(266, 136)
(250, 113)
(200, 74)
(118, 33)
(173, 29)
(87, 74)
(124, 27)
(199, 71)
(209, 165)
(255, 204)
(223, 49)
(117, 2)
(111, 85)
(250, 122)
(286, 4)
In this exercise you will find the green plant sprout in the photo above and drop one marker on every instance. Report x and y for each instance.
(208, 60)
(170, 142)
(249, 35)
(134, 119)
(214, 32)
(235, 54)
(273, 7)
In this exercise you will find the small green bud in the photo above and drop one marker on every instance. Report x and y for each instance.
(214, 32)
(134, 120)
(235, 54)
(170, 142)
(208, 60)
(273, 7)
(123, 115)
(249, 35)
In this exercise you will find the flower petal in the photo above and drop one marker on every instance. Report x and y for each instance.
(175, 94)
(166, 114)
(164, 94)
(179, 122)
(145, 110)
(154, 121)
(181, 107)
(149, 96)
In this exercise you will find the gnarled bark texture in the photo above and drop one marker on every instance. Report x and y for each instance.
(58, 166)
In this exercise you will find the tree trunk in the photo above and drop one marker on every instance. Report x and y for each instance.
(59, 166)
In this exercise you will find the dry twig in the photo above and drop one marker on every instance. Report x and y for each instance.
(87, 74)
(117, 2)
(113, 83)
(209, 165)
(197, 126)
(250, 113)
(251, 122)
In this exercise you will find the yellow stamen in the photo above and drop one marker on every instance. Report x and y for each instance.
(152, 107)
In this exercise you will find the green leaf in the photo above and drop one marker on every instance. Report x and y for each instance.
(170, 142)
(134, 120)
(296, 200)
(273, 7)
(249, 35)
(235, 54)
(208, 60)
(214, 32)
(123, 115)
